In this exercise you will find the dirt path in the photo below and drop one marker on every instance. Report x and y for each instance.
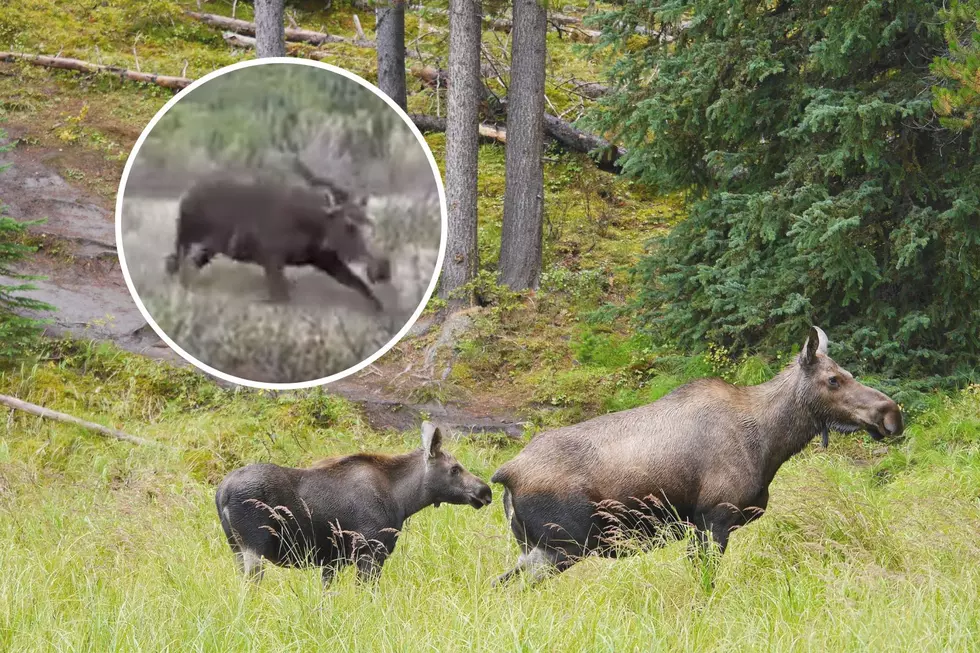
(85, 282)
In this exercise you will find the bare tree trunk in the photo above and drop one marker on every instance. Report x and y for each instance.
(390, 39)
(270, 34)
(462, 146)
(520, 247)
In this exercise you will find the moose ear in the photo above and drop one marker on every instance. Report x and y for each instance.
(816, 343)
(431, 439)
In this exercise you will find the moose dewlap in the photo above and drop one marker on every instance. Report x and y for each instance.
(343, 510)
(704, 455)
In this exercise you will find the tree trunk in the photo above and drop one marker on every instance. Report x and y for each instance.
(270, 34)
(462, 146)
(520, 247)
(390, 39)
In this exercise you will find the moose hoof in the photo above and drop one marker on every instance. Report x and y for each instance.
(379, 271)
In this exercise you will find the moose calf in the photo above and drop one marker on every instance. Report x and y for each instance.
(346, 509)
(703, 455)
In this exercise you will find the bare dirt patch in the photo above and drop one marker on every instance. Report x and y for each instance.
(77, 254)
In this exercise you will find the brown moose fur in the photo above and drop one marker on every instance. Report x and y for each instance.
(704, 455)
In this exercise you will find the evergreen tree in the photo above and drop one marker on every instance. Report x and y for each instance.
(957, 98)
(16, 330)
(823, 188)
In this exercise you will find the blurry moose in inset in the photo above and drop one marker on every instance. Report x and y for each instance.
(264, 221)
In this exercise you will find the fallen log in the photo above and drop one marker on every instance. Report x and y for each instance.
(565, 24)
(439, 77)
(66, 63)
(555, 128)
(504, 23)
(591, 90)
(47, 413)
(488, 132)
(298, 49)
(576, 140)
(433, 76)
(294, 35)
(560, 131)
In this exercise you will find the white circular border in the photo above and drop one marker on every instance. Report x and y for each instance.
(435, 273)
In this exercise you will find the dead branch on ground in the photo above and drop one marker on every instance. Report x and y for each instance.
(66, 63)
(47, 413)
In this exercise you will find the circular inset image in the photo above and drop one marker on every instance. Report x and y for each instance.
(280, 223)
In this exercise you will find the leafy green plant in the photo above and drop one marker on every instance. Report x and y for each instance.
(582, 287)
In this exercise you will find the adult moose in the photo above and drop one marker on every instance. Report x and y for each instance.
(256, 219)
(344, 510)
(703, 455)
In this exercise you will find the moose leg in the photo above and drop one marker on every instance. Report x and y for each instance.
(538, 563)
(251, 565)
(202, 256)
(178, 262)
(174, 260)
(330, 263)
(371, 549)
(369, 566)
(712, 530)
(328, 571)
(276, 281)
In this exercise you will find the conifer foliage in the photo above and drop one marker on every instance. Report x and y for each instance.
(823, 186)
(957, 97)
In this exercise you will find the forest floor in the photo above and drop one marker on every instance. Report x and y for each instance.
(74, 133)
(106, 546)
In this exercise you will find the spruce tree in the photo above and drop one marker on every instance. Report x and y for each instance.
(823, 188)
(957, 96)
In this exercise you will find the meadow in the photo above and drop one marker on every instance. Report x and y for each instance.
(111, 547)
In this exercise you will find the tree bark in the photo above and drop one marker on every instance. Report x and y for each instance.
(390, 40)
(520, 246)
(462, 147)
(270, 35)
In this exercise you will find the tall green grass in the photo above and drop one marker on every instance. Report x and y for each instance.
(110, 547)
